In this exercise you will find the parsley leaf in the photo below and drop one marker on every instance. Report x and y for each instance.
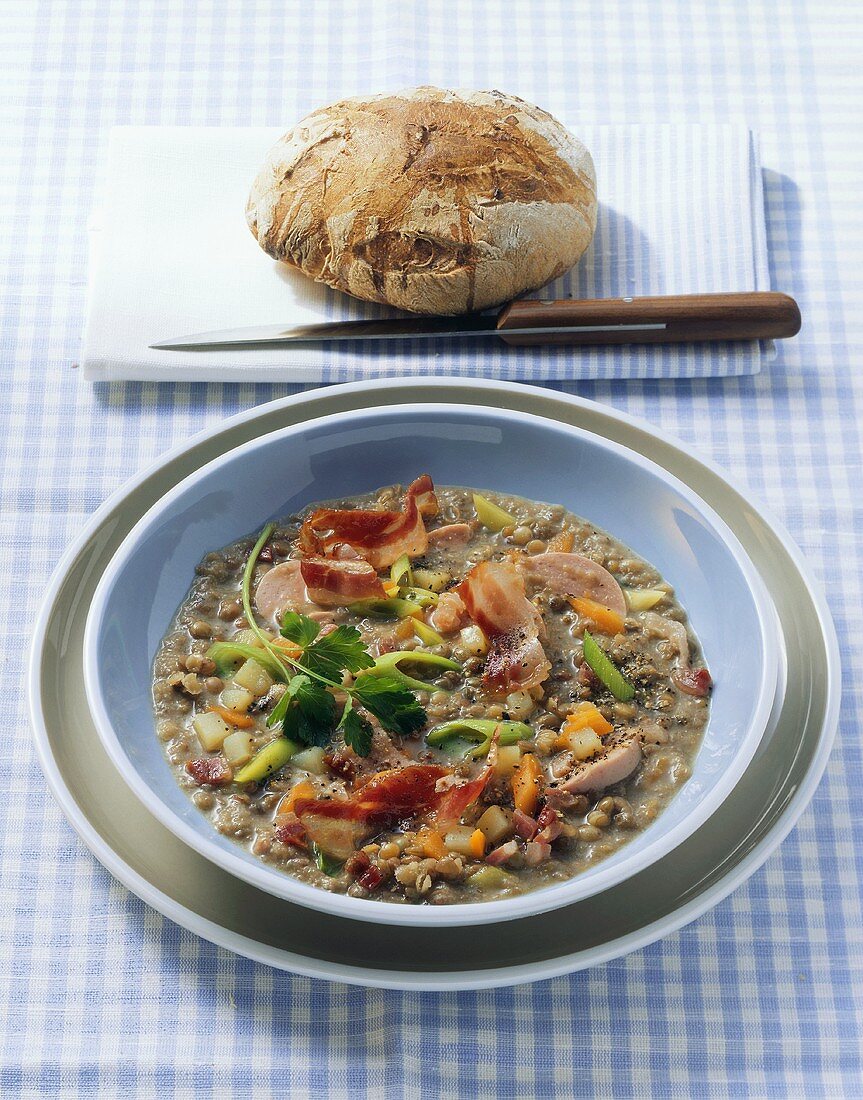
(299, 628)
(394, 705)
(331, 655)
(356, 730)
(311, 715)
(307, 710)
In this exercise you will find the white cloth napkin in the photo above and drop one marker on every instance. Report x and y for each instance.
(681, 211)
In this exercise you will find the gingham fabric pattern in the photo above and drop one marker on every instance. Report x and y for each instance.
(101, 996)
(681, 211)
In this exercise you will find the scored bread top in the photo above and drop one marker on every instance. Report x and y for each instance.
(432, 201)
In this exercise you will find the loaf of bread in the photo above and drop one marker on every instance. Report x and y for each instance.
(433, 201)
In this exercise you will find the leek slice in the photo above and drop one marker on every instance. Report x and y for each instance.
(490, 878)
(388, 665)
(435, 580)
(393, 608)
(422, 596)
(267, 761)
(426, 634)
(481, 730)
(228, 655)
(491, 516)
(606, 670)
(400, 571)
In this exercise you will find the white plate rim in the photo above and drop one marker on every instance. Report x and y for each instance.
(423, 981)
(525, 905)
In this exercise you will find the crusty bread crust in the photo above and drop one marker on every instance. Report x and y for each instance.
(433, 201)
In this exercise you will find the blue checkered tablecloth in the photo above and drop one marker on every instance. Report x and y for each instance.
(101, 996)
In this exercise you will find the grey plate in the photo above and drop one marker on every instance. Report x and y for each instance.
(196, 894)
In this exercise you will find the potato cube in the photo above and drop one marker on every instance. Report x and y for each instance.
(238, 748)
(253, 678)
(642, 599)
(237, 699)
(496, 824)
(508, 758)
(458, 840)
(583, 744)
(310, 760)
(520, 705)
(211, 730)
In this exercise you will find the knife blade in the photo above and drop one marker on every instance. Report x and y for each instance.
(651, 320)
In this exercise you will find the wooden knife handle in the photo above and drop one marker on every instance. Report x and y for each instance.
(759, 315)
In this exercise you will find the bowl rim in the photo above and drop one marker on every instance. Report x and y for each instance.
(284, 885)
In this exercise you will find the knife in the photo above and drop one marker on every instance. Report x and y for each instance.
(758, 315)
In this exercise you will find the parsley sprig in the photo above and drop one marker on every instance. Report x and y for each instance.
(308, 710)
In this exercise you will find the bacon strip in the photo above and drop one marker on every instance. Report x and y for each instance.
(379, 537)
(401, 791)
(536, 852)
(423, 491)
(397, 794)
(527, 827)
(210, 771)
(493, 593)
(499, 856)
(338, 825)
(692, 681)
(394, 793)
(453, 802)
(333, 583)
(289, 830)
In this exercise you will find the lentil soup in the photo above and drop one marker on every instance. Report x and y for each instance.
(430, 695)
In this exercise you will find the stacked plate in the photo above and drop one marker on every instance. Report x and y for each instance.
(753, 778)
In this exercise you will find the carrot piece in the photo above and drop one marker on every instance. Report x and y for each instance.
(562, 542)
(477, 844)
(303, 789)
(586, 716)
(233, 717)
(605, 620)
(404, 628)
(525, 784)
(432, 843)
(291, 648)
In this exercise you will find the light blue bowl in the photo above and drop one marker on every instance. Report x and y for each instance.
(633, 499)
